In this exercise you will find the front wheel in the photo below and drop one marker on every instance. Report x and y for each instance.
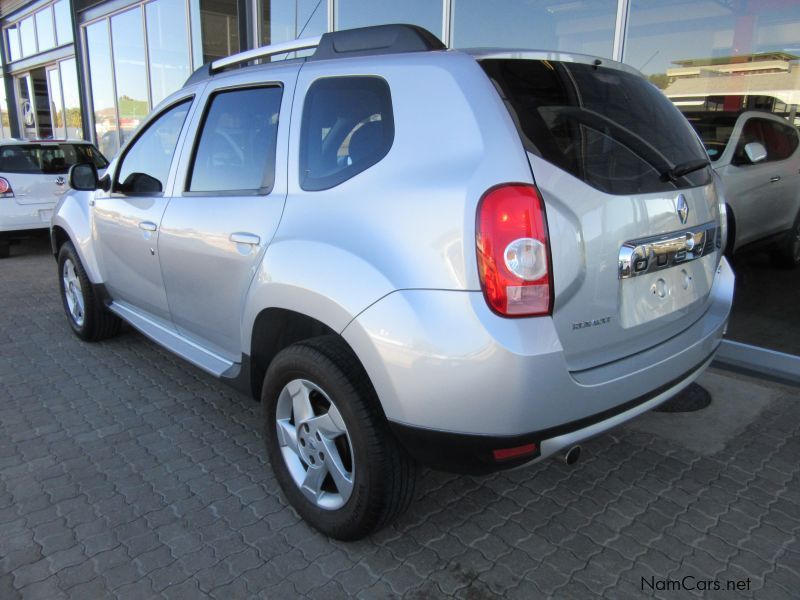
(85, 312)
(329, 445)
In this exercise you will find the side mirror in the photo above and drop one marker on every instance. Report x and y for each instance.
(83, 177)
(755, 152)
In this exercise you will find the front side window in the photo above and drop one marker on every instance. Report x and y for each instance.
(236, 149)
(145, 166)
(347, 127)
(779, 140)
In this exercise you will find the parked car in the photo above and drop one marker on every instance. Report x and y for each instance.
(33, 176)
(757, 156)
(473, 260)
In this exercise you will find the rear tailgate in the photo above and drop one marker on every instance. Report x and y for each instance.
(603, 313)
(631, 206)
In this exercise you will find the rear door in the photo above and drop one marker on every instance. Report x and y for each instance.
(631, 207)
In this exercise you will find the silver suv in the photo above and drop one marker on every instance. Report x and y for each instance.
(473, 260)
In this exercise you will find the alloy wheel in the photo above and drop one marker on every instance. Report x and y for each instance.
(315, 444)
(73, 292)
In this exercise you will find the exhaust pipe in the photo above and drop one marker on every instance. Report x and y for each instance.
(571, 456)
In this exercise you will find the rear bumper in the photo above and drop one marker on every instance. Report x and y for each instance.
(24, 217)
(473, 454)
(449, 371)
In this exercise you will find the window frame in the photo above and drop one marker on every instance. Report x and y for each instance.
(123, 154)
(264, 190)
(334, 180)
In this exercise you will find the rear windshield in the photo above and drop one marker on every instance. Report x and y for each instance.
(48, 158)
(612, 129)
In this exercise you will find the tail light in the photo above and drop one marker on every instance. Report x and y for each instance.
(514, 251)
(5, 188)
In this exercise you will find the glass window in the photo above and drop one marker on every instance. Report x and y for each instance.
(63, 22)
(713, 60)
(286, 20)
(586, 27)
(610, 128)
(5, 127)
(362, 13)
(347, 127)
(102, 87)
(145, 166)
(237, 147)
(72, 99)
(56, 103)
(44, 29)
(219, 22)
(53, 159)
(130, 75)
(780, 142)
(168, 47)
(27, 34)
(14, 51)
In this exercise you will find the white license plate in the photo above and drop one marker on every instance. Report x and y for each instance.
(45, 215)
(661, 293)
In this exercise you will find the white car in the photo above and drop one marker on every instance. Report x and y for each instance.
(757, 156)
(33, 176)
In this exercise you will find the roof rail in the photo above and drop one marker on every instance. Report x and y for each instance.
(364, 41)
(377, 39)
(265, 51)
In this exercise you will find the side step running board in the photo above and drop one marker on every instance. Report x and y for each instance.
(172, 340)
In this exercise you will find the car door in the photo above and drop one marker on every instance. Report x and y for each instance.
(781, 141)
(228, 200)
(753, 190)
(127, 219)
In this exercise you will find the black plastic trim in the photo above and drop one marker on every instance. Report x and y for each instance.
(472, 454)
(379, 39)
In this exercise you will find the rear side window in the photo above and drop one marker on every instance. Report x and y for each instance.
(236, 150)
(347, 127)
(779, 140)
(55, 159)
(612, 129)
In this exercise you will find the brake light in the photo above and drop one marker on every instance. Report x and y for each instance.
(514, 251)
(5, 188)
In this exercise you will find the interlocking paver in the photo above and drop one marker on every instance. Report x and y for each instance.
(125, 472)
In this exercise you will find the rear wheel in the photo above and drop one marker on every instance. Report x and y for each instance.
(86, 314)
(788, 252)
(329, 445)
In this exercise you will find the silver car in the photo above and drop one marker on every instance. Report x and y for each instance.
(33, 176)
(474, 260)
(757, 156)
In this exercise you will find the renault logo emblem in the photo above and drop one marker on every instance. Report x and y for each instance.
(683, 208)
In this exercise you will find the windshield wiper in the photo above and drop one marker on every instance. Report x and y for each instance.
(684, 168)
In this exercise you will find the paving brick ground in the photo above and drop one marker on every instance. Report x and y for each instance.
(125, 472)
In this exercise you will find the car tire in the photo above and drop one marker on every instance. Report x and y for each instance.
(317, 393)
(5, 248)
(87, 316)
(787, 254)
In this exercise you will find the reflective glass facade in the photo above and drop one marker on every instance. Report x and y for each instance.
(712, 59)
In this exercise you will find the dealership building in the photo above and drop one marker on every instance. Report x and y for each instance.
(94, 69)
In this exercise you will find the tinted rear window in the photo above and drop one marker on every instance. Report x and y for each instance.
(612, 129)
(48, 158)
